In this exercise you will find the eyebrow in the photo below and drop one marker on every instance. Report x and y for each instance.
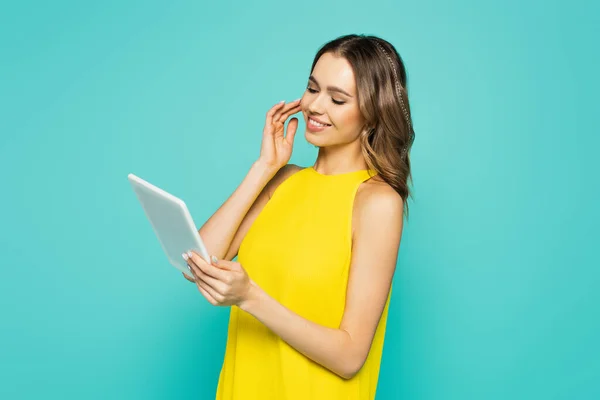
(330, 88)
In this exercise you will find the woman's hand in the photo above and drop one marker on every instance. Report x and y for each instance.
(222, 283)
(276, 149)
(188, 278)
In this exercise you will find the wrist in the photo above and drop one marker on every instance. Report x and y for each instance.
(252, 297)
(265, 168)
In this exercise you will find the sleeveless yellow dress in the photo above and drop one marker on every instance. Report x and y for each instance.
(298, 250)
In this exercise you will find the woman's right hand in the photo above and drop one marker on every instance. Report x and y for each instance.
(188, 278)
(276, 149)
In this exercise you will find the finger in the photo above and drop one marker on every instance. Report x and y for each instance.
(226, 265)
(212, 292)
(207, 268)
(207, 296)
(215, 284)
(289, 109)
(285, 110)
(287, 114)
(187, 277)
(291, 131)
(272, 111)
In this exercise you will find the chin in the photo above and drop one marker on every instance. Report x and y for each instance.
(320, 140)
(316, 140)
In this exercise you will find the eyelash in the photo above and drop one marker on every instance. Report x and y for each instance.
(339, 103)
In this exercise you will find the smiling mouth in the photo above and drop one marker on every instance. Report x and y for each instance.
(317, 124)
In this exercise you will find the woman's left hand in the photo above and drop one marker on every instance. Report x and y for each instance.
(222, 283)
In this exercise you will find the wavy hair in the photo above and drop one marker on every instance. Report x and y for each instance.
(381, 83)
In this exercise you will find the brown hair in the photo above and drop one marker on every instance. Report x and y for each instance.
(383, 101)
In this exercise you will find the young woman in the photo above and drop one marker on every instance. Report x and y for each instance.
(317, 246)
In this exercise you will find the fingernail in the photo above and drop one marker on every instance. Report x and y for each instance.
(189, 254)
(282, 101)
(214, 259)
(185, 256)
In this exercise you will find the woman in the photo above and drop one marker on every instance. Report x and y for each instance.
(317, 246)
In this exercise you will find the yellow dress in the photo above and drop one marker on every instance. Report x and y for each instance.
(298, 250)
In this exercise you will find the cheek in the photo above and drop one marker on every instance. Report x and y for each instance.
(346, 119)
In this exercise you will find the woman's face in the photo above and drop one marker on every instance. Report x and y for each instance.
(330, 103)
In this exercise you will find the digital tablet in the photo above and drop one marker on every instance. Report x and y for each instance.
(171, 221)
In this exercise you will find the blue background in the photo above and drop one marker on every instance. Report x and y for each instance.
(496, 292)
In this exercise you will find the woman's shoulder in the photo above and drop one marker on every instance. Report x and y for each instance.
(377, 206)
(283, 174)
(376, 195)
(289, 169)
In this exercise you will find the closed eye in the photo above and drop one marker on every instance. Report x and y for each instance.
(338, 102)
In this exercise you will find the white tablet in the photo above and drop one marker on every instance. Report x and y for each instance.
(171, 221)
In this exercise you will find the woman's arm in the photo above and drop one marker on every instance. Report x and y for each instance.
(378, 229)
(219, 230)
(375, 249)
(234, 217)
(223, 231)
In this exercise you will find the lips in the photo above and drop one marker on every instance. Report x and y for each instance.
(319, 121)
(316, 123)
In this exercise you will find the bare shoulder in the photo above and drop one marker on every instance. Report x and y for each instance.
(284, 172)
(377, 203)
(376, 193)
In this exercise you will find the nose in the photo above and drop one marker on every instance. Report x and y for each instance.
(317, 105)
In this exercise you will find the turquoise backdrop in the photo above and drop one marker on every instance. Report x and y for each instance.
(496, 294)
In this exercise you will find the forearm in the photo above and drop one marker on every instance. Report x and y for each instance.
(218, 231)
(332, 348)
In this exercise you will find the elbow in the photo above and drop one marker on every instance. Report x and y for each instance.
(347, 375)
(352, 358)
(351, 367)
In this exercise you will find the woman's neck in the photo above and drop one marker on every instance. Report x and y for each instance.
(340, 159)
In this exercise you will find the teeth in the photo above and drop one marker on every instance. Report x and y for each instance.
(312, 121)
